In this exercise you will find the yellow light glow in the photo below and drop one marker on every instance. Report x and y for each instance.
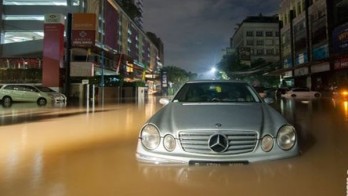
(345, 107)
(344, 93)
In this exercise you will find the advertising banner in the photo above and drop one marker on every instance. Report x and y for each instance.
(83, 30)
(340, 38)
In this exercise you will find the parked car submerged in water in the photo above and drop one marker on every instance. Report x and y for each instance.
(42, 95)
(301, 93)
(216, 122)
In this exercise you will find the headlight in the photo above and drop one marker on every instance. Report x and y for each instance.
(150, 137)
(267, 143)
(286, 137)
(169, 143)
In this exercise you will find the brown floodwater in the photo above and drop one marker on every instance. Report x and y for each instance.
(91, 151)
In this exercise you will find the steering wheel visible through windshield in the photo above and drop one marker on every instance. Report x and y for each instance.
(216, 92)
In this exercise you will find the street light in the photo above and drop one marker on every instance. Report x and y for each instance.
(221, 74)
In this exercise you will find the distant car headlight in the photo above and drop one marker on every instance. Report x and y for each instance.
(169, 143)
(150, 137)
(286, 137)
(267, 143)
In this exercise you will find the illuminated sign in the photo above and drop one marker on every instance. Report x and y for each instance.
(83, 30)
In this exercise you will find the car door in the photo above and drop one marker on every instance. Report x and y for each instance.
(30, 94)
(16, 92)
(304, 92)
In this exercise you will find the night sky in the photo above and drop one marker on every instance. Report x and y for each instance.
(194, 32)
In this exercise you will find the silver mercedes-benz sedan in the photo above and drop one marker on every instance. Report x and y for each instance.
(213, 122)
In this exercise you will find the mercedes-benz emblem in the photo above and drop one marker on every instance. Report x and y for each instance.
(218, 142)
(218, 125)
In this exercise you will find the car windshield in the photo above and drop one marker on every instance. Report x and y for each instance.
(216, 92)
(45, 89)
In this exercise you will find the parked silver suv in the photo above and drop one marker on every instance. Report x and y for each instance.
(42, 95)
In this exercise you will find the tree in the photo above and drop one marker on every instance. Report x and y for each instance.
(254, 74)
(177, 76)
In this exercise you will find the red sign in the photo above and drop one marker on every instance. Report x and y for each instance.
(341, 62)
(53, 54)
(83, 38)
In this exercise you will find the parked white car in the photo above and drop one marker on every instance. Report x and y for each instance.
(42, 95)
(301, 93)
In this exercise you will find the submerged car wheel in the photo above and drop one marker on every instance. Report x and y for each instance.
(316, 95)
(6, 101)
(293, 95)
(41, 101)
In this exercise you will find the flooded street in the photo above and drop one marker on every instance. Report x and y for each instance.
(79, 151)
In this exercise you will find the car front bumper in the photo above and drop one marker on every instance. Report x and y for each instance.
(182, 157)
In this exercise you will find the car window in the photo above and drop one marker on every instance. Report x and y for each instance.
(29, 88)
(20, 88)
(259, 89)
(216, 92)
(44, 89)
(301, 90)
(9, 87)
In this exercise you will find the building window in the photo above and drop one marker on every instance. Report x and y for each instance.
(299, 9)
(276, 52)
(259, 51)
(250, 42)
(75, 2)
(249, 33)
(269, 52)
(277, 34)
(268, 42)
(259, 33)
(269, 33)
(259, 42)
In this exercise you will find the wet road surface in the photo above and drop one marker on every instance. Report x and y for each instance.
(79, 151)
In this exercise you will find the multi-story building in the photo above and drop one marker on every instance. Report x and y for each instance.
(140, 6)
(120, 44)
(257, 37)
(139, 20)
(313, 45)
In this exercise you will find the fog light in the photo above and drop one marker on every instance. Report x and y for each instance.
(267, 143)
(169, 143)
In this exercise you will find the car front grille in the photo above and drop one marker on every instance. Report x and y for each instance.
(239, 142)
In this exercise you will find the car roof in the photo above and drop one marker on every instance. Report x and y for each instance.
(216, 81)
(22, 84)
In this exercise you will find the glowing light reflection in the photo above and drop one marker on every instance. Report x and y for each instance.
(345, 108)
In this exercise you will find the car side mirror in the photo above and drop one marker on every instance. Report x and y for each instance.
(268, 100)
(164, 101)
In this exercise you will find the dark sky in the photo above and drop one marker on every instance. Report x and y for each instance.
(195, 32)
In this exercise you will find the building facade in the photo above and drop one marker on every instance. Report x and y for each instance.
(121, 47)
(257, 37)
(313, 45)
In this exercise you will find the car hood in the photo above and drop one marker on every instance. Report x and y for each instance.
(220, 116)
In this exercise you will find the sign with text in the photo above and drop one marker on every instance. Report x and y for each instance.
(83, 30)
